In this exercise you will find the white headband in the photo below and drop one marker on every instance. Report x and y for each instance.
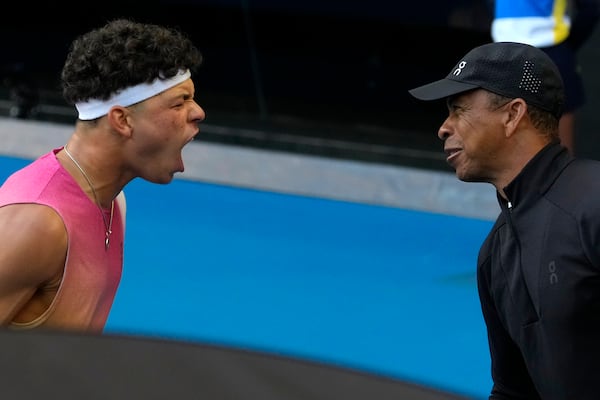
(94, 108)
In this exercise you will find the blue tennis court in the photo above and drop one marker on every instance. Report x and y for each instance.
(380, 289)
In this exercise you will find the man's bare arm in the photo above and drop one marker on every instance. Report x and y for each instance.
(33, 246)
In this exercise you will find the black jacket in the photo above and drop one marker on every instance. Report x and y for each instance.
(538, 277)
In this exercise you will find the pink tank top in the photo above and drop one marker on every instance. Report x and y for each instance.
(92, 273)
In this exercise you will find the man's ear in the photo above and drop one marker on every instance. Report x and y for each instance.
(118, 118)
(515, 112)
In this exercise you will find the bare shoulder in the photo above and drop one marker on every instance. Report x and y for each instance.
(33, 243)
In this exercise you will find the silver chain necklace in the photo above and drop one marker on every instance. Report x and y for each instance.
(107, 224)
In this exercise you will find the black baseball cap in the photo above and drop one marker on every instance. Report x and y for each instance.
(505, 68)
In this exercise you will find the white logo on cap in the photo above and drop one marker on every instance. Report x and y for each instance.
(459, 69)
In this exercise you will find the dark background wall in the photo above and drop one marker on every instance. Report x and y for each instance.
(588, 130)
(328, 77)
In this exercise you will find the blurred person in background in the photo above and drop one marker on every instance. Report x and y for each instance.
(560, 28)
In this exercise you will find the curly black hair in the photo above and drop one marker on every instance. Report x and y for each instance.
(121, 54)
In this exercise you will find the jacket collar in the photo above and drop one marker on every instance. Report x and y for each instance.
(538, 174)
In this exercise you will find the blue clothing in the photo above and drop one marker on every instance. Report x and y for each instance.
(540, 23)
(558, 27)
